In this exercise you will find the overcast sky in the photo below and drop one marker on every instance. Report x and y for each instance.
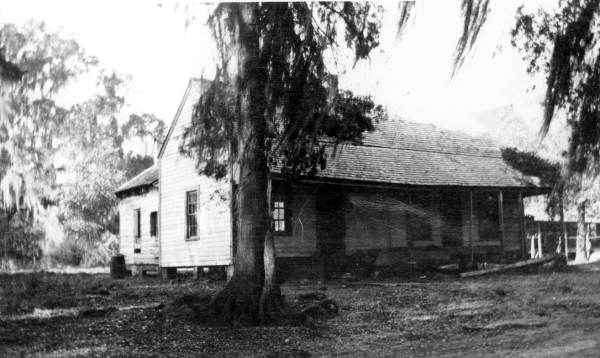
(411, 77)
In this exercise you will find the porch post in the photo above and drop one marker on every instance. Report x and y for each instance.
(471, 218)
(522, 225)
(501, 220)
(563, 227)
(539, 240)
(587, 241)
(532, 247)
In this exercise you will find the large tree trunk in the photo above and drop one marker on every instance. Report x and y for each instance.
(580, 255)
(240, 299)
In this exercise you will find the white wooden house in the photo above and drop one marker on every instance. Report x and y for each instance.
(409, 192)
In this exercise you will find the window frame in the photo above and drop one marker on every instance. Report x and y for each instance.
(187, 235)
(287, 215)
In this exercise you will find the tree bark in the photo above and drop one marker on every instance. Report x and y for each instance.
(271, 301)
(563, 231)
(580, 256)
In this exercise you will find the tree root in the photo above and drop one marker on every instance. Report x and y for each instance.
(237, 303)
(243, 304)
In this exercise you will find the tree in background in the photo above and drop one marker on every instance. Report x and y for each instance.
(92, 168)
(34, 118)
(563, 45)
(9, 72)
(53, 155)
(30, 124)
(96, 166)
(147, 127)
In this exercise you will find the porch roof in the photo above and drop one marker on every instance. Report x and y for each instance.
(146, 178)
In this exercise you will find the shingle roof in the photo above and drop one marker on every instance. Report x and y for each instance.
(401, 152)
(147, 177)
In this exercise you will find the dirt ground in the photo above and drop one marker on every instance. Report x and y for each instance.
(546, 314)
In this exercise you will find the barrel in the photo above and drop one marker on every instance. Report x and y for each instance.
(117, 266)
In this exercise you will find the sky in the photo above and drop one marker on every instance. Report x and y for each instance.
(149, 41)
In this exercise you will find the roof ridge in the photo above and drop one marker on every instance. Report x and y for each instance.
(428, 151)
(451, 141)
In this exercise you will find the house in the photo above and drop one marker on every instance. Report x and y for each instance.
(138, 220)
(409, 192)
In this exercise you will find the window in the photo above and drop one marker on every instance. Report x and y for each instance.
(137, 230)
(137, 250)
(281, 217)
(153, 223)
(191, 205)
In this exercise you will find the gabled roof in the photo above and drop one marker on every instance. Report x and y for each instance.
(146, 178)
(407, 153)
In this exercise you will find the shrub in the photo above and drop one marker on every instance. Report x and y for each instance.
(77, 252)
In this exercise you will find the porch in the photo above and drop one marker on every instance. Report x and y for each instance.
(352, 227)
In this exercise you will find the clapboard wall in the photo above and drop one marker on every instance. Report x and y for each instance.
(178, 175)
(146, 245)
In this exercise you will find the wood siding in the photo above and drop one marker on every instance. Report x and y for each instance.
(177, 175)
(146, 244)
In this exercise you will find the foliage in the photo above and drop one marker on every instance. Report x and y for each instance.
(474, 14)
(28, 128)
(22, 238)
(96, 164)
(145, 126)
(8, 70)
(133, 164)
(75, 252)
(301, 102)
(549, 173)
(70, 157)
(564, 46)
(530, 164)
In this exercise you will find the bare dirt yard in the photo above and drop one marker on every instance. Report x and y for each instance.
(544, 314)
